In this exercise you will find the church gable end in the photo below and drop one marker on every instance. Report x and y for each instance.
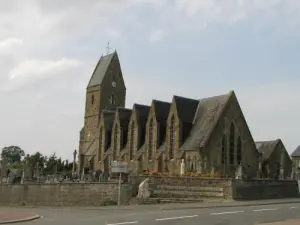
(230, 123)
(124, 116)
(161, 110)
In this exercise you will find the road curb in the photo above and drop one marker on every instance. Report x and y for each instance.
(26, 219)
(230, 206)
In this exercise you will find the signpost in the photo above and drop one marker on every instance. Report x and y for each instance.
(119, 167)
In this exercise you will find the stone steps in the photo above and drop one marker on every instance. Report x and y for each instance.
(186, 194)
(188, 188)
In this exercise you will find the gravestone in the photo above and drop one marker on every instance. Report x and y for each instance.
(74, 160)
(182, 167)
(3, 169)
(200, 166)
(239, 172)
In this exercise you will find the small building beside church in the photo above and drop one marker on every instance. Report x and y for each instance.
(296, 162)
(207, 133)
(274, 157)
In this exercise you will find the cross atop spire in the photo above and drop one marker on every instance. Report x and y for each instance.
(107, 48)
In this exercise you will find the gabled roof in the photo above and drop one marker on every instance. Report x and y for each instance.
(101, 69)
(161, 110)
(186, 108)
(207, 115)
(142, 112)
(266, 147)
(124, 116)
(108, 117)
(296, 153)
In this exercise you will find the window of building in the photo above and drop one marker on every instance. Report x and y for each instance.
(239, 151)
(93, 99)
(231, 145)
(172, 137)
(112, 99)
(116, 131)
(131, 147)
(100, 143)
(223, 150)
(150, 144)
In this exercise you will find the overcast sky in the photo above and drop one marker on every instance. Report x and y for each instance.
(192, 48)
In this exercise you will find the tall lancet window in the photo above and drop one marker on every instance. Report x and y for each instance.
(172, 137)
(100, 143)
(239, 154)
(150, 144)
(223, 150)
(231, 144)
(115, 144)
(131, 146)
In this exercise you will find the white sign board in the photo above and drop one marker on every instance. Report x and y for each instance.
(118, 167)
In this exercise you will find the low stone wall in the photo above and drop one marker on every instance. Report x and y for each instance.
(235, 189)
(72, 194)
(264, 189)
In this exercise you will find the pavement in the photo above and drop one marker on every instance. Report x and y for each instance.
(11, 216)
(234, 213)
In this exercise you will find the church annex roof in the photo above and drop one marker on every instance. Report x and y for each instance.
(142, 112)
(296, 153)
(101, 69)
(124, 116)
(208, 113)
(108, 117)
(161, 110)
(266, 148)
(186, 108)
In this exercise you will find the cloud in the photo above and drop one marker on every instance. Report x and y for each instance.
(9, 44)
(31, 70)
(156, 36)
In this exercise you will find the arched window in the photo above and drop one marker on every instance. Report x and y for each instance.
(231, 145)
(93, 99)
(131, 147)
(172, 137)
(150, 144)
(239, 151)
(100, 144)
(116, 132)
(223, 150)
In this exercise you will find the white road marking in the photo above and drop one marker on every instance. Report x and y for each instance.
(260, 210)
(294, 207)
(175, 218)
(222, 213)
(133, 222)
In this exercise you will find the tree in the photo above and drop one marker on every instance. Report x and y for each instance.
(32, 160)
(13, 154)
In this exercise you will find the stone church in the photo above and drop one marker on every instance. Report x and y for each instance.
(209, 133)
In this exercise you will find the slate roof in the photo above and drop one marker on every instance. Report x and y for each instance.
(124, 116)
(101, 69)
(109, 117)
(186, 108)
(208, 113)
(142, 112)
(266, 147)
(296, 153)
(161, 110)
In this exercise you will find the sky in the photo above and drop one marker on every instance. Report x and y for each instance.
(191, 48)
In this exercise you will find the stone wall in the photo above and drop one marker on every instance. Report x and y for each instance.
(235, 189)
(74, 194)
(260, 189)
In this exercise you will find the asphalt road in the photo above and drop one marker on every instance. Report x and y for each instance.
(243, 215)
